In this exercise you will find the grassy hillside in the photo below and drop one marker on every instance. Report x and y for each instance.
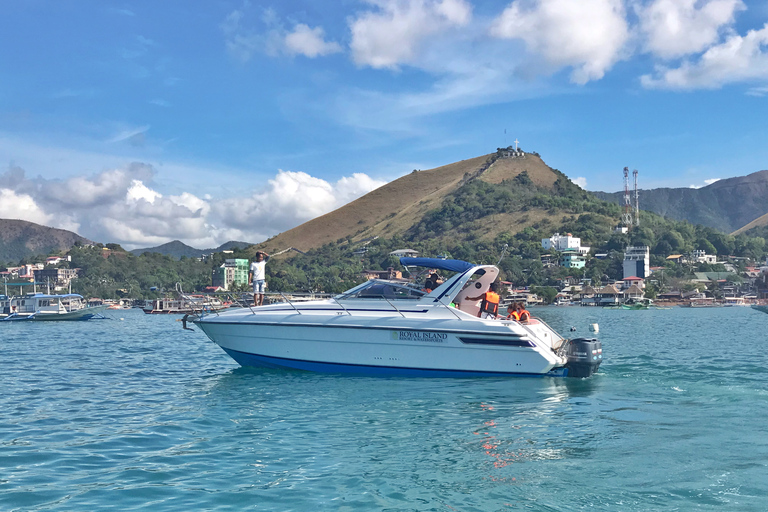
(402, 204)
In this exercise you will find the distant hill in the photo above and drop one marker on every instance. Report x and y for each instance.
(401, 205)
(178, 249)
(727, 205)
(21, 239)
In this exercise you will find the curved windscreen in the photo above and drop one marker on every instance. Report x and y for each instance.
(383, 290)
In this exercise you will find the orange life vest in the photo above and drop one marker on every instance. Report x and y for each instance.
(490, 303)
(514, 316)
(525, 315)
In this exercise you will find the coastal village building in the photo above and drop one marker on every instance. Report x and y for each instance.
(233, 272)
(58, 278)
(637, 261)
(700, 256)
(55, 260)
(572, 259)
(565, 242)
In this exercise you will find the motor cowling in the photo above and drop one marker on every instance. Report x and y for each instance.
(584, 356)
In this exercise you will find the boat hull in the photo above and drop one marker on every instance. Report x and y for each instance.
(380, 346)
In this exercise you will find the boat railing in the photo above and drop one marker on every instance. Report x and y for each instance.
(557, 338)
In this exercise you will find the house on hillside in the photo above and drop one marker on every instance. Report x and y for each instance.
(57, 278)
(564, 242)
(570, 258)
(55, 260)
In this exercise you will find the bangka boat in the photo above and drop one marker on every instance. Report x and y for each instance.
(43, 306)
(385, 327)
(183, 305)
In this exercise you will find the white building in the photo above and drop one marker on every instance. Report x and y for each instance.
(637, 262)
(700, 256)
(560, 242)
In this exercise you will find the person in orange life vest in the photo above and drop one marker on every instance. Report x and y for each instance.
(512, 312)
(489, 308)
(523, 314)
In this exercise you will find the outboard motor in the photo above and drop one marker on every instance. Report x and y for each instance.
(584, 356)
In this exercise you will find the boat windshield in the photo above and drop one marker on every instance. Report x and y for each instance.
(382, 290)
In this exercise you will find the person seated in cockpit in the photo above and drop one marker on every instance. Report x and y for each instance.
(489, 308)
(432, 282)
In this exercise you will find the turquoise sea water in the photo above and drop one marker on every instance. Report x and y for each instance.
(133, 413)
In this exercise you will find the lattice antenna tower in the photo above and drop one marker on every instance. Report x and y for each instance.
(626, 217)
(637, 201)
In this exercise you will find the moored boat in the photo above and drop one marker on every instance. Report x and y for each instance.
(42, 306)
(390, 328)
(185, 304)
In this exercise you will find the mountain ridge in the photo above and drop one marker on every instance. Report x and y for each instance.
(177, 249)
(728, 205)
(21, 239)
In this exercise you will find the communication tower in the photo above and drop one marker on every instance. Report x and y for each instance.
(637, 201)
(626, 217)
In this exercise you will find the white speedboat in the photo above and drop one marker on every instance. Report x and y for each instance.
(43, 306)
(388, 328)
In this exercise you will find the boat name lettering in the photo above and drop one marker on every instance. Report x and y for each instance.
(435, 337)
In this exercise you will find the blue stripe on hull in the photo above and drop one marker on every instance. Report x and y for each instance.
(245, 359)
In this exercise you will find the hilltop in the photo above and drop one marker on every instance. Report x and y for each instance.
(401, 206)
(177, 249)
(21, 239)
(728, 205)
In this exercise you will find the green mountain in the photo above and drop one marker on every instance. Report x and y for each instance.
(726, 205)
(21, 239)
(177, 249)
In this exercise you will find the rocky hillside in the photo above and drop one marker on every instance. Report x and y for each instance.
(21, 239)
(727, 205)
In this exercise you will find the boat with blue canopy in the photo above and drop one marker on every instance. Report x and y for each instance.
(390, 327)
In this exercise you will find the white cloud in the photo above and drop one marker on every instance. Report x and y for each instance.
(581, 182)
(290, 199)
(758, 91)
(739, 58)
(240, 42)
(588, 35)
(706, 182)
(309, 42)
(395, 34)
(139, 191)
(674, 28)
(21, 207)
(122, 205)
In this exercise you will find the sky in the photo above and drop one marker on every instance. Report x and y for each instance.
(139, 123)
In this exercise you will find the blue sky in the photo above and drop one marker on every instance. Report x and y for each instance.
(144, 122)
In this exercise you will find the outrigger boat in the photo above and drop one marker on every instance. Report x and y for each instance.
(386, 327)
(43, 306)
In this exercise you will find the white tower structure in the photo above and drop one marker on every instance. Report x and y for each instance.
(637, 201)
(626, 217)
